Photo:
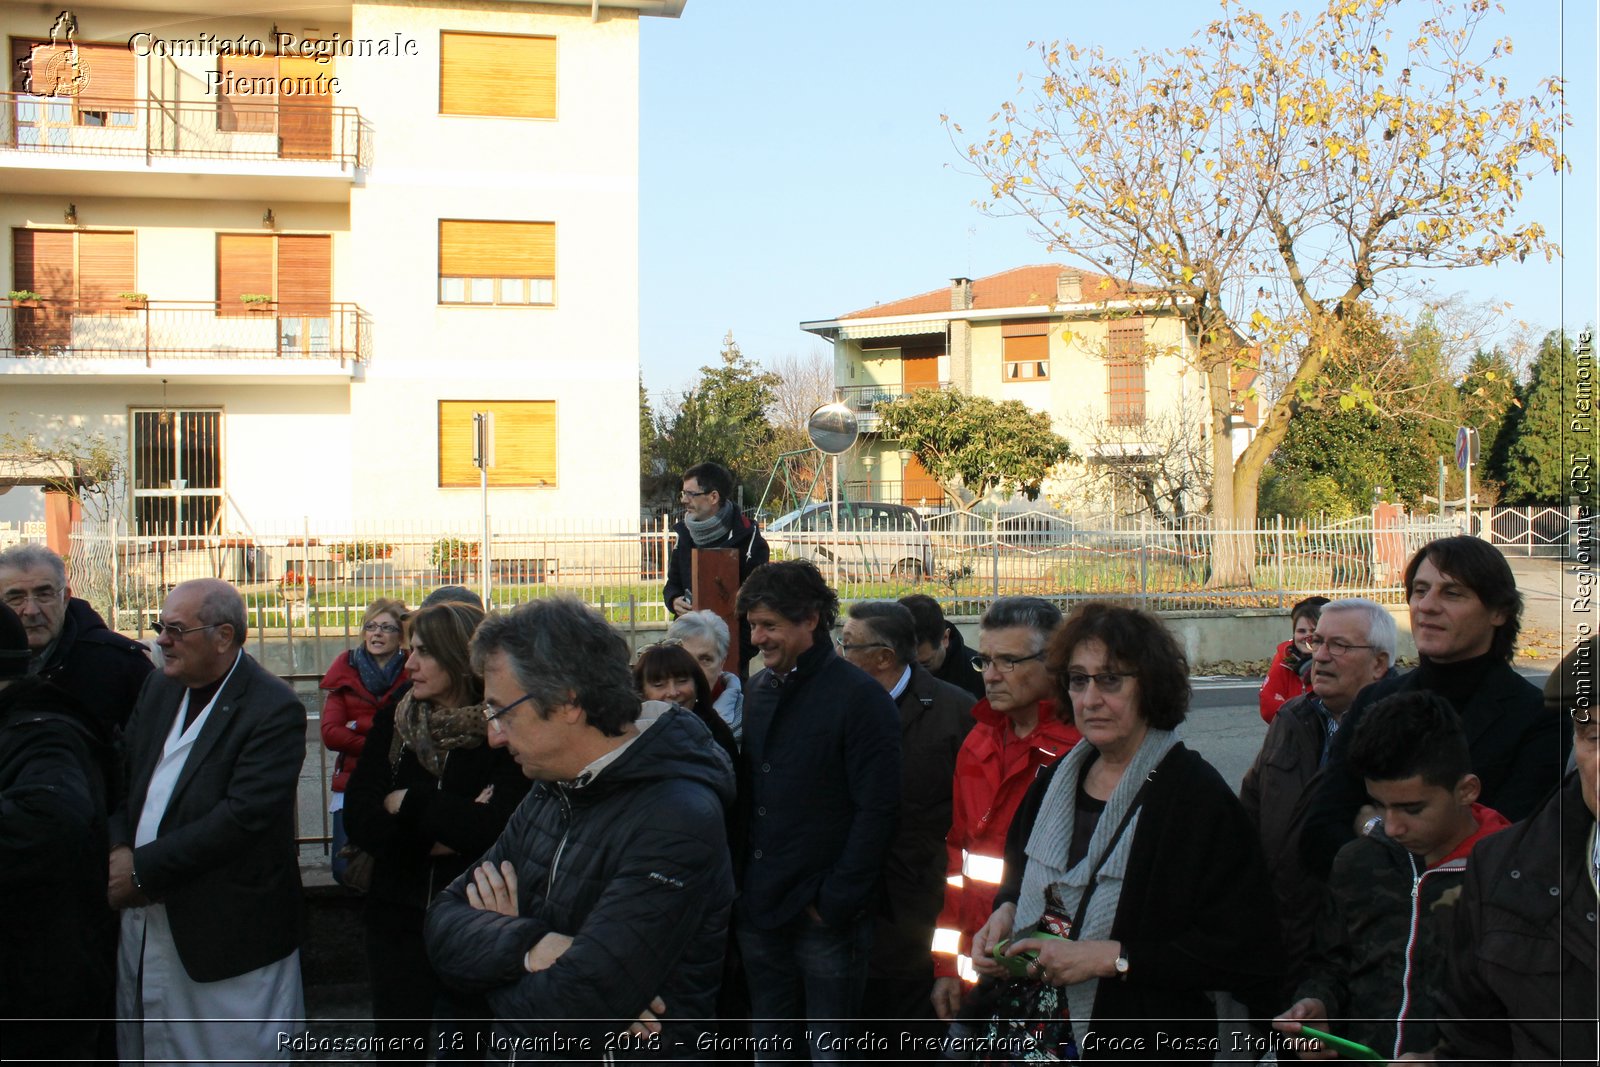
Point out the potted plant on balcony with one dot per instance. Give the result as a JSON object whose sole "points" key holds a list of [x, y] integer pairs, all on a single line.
{"points": [[134, 301], [24, 298], [256, 301]]}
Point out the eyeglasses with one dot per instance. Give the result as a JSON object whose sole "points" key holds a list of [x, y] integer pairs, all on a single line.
{"points": [[1003, 664], [41, 595], [690, 494], [1105, 681], [1335, 646], [380, 628], [842, 647], [176, 632], [492, 714]]}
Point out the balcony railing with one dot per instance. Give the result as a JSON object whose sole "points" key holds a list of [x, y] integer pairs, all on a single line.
{"points": [[177, 329], [209, 129], [864, 398]]}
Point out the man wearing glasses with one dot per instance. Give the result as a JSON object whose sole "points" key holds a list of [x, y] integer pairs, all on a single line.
{"points": [[712, 519], [1017, 733], [69, 641], [1352, 647], [203, 859]]}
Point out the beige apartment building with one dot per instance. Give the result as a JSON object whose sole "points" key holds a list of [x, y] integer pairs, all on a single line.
{"points": [[282, 253], [1112, 364]]}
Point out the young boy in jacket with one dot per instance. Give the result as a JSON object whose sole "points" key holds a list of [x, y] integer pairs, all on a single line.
{"points": [[1381, 945]]}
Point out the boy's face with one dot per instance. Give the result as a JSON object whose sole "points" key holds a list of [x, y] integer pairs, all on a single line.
{"points": [[1426, 819]]}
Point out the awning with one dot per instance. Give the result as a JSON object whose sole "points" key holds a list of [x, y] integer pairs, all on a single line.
{"points": [[867, 328]]}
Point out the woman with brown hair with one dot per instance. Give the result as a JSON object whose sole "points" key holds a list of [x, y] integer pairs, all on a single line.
{"points": [[427, 799], [666, 671]]}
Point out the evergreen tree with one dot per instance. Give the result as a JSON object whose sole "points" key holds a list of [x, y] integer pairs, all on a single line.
{"points": [[1540, 460]]}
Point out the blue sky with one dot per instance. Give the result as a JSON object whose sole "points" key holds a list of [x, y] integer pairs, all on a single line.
{"points": [[793, 166]]}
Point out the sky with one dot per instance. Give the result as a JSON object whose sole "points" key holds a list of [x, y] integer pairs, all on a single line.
{"points": [[793, 166]]}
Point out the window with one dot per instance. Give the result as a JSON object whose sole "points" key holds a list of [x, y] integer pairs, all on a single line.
{"points": [[1125, 358], [497, 75], [524, 443], [177, 472], [1026, 358], [75, 272], [94, 84], [504, 263]]}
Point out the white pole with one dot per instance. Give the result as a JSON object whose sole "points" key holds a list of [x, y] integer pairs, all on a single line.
{"points": [[483, 550], [1468, 470], [835, 580]]}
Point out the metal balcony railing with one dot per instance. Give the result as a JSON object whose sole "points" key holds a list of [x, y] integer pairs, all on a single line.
{"points": [[211, 129], [863, 398], [178, 329]]}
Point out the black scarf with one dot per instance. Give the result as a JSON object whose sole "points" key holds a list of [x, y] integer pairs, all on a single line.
{"points": [[377, 678]]}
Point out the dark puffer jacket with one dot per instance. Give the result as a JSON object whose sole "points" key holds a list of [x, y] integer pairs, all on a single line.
{"points": [[633, 866], [744, 537], [97, 666]]}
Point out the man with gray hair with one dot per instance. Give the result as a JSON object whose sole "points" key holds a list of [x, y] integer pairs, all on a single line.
{"points": [[605, 901], [880, 637], [1352, 647], [70, 643], [1017, 733], [203, 858]]}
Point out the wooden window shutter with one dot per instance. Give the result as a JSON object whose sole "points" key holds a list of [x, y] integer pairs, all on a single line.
{"points": [[246, 113], [305, 284], [244, 265], [524, 442], [1126, 340], [110, 85], [43, 261], [476, 249], [41, 69], [1025, 328], [105, 267], [497, 74]]}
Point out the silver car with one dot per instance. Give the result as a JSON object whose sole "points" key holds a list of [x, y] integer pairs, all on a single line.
{"points": [[874, 540]]}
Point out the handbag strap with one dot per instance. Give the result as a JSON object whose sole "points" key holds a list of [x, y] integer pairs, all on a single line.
{"points": [[1111, 846]]}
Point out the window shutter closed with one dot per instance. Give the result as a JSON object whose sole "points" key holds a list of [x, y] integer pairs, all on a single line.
{"points": [[476, 249], [43, 262], [105, 267], [244, 265], [497, 74], [305, 285], [239, 112], [110, 81], [524, 442]]}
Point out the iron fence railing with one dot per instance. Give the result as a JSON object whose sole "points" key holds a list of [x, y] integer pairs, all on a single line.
{"points": [[863, 398], [146, 330], [291, 131]]}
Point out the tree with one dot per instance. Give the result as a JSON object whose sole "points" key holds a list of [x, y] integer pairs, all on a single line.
{"points": [[1267, 179], [805, 382], [1487, 401], [973, 445], [722, 419], [1550, 460], [1164, 463]]}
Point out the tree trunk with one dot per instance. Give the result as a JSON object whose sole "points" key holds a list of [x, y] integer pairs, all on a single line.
{"points": [[1232, 547]]}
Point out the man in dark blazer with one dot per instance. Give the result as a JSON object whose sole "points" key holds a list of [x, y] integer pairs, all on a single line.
{"points": [[203, 857]]}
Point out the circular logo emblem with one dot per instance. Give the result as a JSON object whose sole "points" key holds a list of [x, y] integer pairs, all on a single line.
{"points": [[65, 74]]}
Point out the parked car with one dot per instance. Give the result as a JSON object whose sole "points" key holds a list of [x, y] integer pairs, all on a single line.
{"points": [[874, 540]]}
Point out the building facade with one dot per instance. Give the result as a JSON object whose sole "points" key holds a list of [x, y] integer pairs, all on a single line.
{"points": [[1112, 364], [282, 259]]}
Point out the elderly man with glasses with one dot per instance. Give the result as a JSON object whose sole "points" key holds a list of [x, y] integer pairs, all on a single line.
{"points": [[204, 864], [605, 901], [70, 643], [1352, 646], [1017, 733]]}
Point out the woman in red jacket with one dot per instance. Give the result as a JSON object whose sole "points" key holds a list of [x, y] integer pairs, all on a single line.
{"points": [[368, 678], [1284, 681]]}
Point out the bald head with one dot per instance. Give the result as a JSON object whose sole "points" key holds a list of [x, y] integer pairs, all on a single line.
{"points": [[210, 614]]}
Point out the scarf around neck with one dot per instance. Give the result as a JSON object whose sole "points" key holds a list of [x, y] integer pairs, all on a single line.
{"points": [[377, 678], [712, 531], [432, 731], [1050, 839]]}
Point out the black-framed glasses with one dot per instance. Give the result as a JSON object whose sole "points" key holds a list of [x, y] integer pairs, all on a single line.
{"points": [[1003, 664], [380, 628], [690, 494], [1336, 646], [176, 632], [42, 594], [492, 715], [838, 642], [1105, 681]]}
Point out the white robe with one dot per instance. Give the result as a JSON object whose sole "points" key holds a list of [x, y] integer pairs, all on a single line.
{"points": [[163, 1014]]}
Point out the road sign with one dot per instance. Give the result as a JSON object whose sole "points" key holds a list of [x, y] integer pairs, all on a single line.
{"points": [[1466, 446]]}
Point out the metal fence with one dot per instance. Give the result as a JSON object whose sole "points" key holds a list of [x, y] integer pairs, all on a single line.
{"points": [[309, 579]]}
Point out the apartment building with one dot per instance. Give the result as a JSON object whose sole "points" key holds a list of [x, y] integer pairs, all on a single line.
{"points": [[1113, 365], [283, 253]]}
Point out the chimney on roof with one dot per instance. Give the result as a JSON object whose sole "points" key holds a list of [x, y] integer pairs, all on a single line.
{"points": [[1069, 287], [960, 294]]}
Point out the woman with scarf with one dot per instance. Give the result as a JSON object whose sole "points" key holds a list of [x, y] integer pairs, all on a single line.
{"points": [[427, 799], [1134, 884], [363, 682]]}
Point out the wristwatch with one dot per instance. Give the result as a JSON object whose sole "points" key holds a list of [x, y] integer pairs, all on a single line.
{"points": [[1372, 826], [1121, 965]]}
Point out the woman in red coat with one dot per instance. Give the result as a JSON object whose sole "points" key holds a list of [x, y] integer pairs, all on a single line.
{"points": [[368, 678], [1284, 680]]}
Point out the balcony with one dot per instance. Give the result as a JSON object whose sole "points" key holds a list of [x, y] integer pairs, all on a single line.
{"points": [[863, 399], [60, 341], [153, 147]]}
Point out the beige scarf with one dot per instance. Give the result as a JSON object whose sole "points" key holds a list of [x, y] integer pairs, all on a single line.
{"points": [[432, 731]]}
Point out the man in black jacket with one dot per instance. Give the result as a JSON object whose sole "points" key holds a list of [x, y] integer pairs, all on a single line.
{"points": [[606, 898], [880, 638], [70, 643], [57, 936], [940, 648], [822, 744], [1465, 614], [712, 519]]}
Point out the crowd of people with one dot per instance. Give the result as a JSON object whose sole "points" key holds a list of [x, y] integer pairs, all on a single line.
{"points": [[876, 845]]}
